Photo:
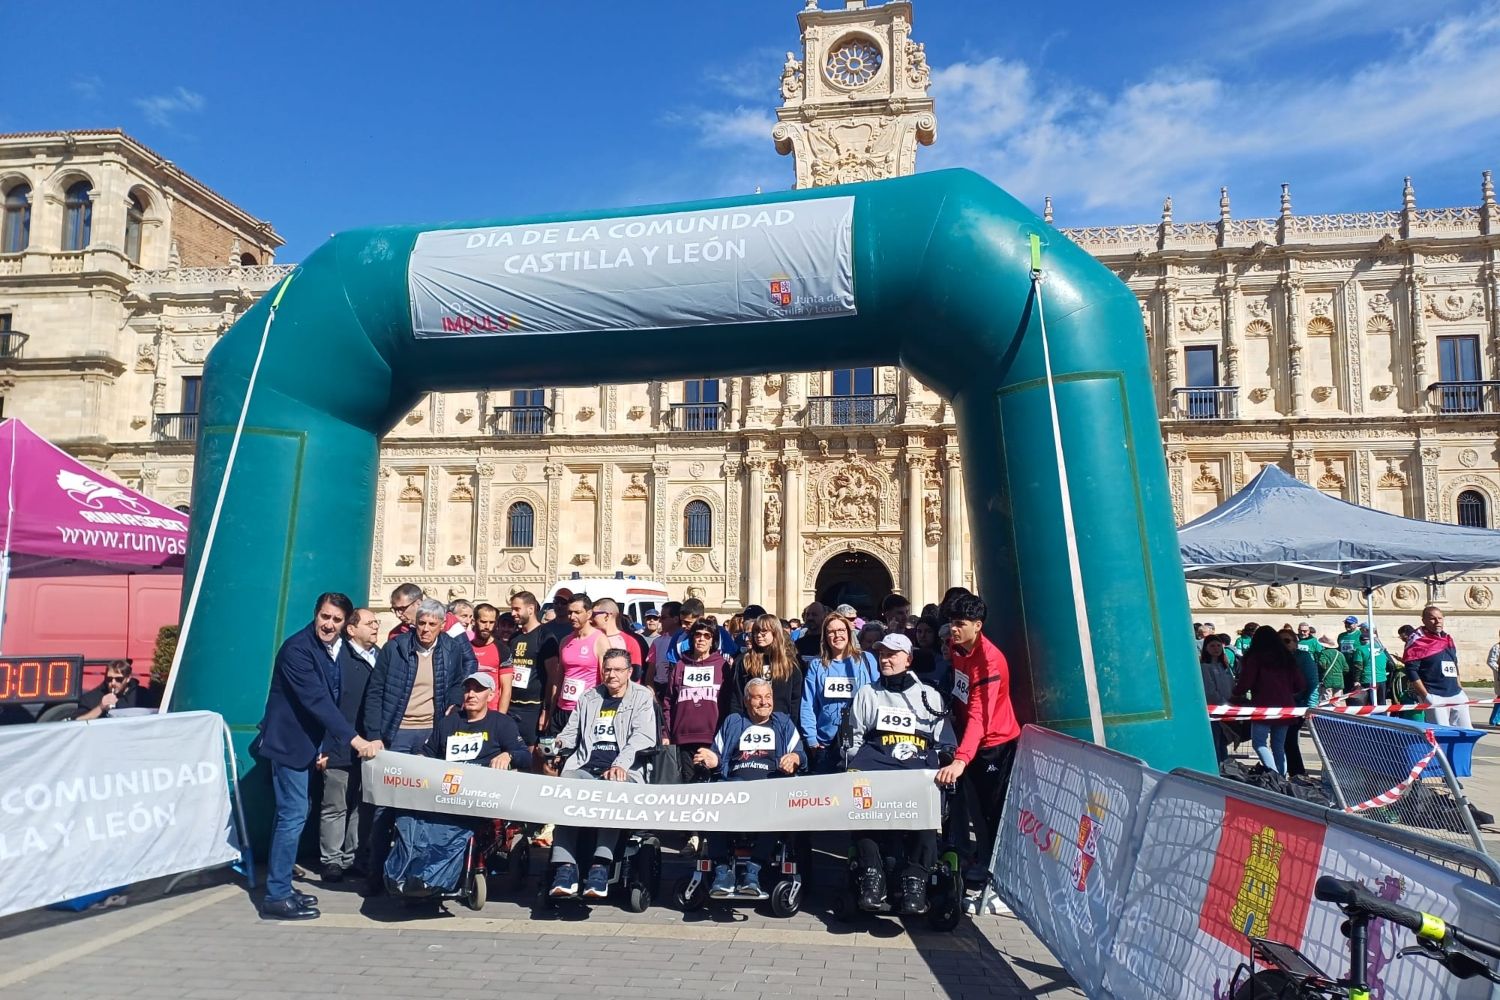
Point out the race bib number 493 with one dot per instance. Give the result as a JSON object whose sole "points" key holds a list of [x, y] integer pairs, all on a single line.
{"points": [[895, 720]]}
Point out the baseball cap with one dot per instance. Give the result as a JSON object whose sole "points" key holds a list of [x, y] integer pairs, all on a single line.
{"points": [[753, 612], [895, 642], [481, 678], [651, 614], [1351, 620]]}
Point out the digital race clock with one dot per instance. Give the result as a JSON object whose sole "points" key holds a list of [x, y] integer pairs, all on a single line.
{"points": [[40, 678]]}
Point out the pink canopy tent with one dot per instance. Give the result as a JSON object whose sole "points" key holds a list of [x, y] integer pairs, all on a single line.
{"points": [[58, 509]]}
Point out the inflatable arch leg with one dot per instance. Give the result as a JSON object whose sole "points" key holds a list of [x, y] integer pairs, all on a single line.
{"points": [[940, 285]]}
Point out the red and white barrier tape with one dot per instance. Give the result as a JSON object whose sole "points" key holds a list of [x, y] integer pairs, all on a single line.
{"points": [[1251, 712], [1391, 797]]}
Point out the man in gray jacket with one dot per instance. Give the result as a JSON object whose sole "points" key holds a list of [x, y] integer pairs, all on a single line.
{"points": [[612, 724]]}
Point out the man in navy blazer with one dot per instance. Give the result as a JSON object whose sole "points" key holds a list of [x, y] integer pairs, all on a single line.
{"points": [[302, 709], [418, 678]]}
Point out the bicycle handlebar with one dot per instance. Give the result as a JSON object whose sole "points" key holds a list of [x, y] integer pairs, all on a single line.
{"points": [[1428, 928]]}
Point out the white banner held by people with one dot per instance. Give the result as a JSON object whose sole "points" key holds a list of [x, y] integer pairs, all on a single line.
{"points": [[783, 260], [88, 806], [862, 800]]}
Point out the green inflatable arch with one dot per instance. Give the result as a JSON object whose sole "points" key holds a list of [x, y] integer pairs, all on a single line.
{"points": [[941, 285]]}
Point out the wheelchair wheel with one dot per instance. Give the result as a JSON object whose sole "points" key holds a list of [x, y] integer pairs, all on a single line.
{"points": [[845, 909], [697, 899], [786, 898], [946, 908], [478, 889], [639, 900], [518, 864]]}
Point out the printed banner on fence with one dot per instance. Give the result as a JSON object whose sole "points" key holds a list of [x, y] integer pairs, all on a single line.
{"points": [[878, 800], [1064, 853], [88, 806], [745, 264]]}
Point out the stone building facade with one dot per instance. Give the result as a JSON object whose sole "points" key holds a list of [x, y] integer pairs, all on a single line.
{"points": [[1357, 351]]}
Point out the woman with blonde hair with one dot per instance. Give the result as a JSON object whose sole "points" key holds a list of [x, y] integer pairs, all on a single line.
{"points": [[831, 681], [768, 654]]}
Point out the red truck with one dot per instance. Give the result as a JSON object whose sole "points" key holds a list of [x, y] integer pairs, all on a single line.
{"points": [[62, 628]]}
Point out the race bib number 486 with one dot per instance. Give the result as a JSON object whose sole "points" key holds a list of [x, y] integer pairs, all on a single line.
{"points": [[698, 677]]}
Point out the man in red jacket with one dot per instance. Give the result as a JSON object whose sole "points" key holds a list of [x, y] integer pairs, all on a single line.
{"points": [[981, 706]]}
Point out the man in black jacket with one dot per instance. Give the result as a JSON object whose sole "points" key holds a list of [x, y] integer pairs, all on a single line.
{"points": [[343, 817], [418, 678]]}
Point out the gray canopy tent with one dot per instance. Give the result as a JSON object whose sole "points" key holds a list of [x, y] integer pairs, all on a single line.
{"points": [[1279, 530]]}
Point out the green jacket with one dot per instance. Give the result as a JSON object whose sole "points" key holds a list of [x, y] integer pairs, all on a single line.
{"points": [[1379, 659], [1311, 645], [1356, 656], [1331, 667]]}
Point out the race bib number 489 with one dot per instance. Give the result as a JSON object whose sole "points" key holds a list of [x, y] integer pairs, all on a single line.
{"points": [[838, 688]]}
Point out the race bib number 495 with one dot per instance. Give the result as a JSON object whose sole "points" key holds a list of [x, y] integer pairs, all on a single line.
{"points": [[757, 738]]}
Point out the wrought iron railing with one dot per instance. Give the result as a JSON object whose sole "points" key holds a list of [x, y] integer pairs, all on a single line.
{"points": [[698, 417], [851, 411], [11, 343], [521, 420], [175, 427], [1220, 402], [1464, 397]]}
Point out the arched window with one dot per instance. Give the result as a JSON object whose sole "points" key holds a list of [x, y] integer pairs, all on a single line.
{"points": [[697, 525], [248, 260], [15, 228], [1472, 512], [135, 217], [520, 526], [78, 216]]}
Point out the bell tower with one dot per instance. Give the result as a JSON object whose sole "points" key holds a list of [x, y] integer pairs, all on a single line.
{"points": [[855, 105]]}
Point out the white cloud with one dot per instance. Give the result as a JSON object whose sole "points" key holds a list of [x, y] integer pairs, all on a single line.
{"points": [[162, 108], [86, 87], [1420, 100], [737, 128]]}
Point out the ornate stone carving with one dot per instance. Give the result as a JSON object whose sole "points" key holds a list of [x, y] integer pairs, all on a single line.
{"points": [[635, 412], [1259, 309], [696, 470], [411, 491], [1278, 597], [1199, 316], [1393, 478], [1453, 305], [851, 494], [1406, 595], [1243, 597], [696, 562], [585, 489], [1206, 482], [1320, 306], [1478, 596], [1380, 304], [1210, 597], [462, 492], [518, 473], [932, 515], [637, 488], [773, 519], [1338, 597], [1468, 458]]}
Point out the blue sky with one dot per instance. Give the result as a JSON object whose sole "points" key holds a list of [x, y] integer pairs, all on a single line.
{"points": [[322, 116]]}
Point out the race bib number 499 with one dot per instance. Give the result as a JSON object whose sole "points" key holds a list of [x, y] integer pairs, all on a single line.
{"points": [[464, 747]]}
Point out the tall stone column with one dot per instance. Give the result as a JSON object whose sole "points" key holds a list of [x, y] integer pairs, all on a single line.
{"points": [[953, 518], [1169, 291], [1417, 283], [791, 537], [754, 516], [1230, 310], [1292, 288], [913, 547]]}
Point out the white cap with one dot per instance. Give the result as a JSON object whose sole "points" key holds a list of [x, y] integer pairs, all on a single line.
{"points": [[481, 678]]}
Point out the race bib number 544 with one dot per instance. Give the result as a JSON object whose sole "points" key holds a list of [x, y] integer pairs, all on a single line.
{"points": [[464, 746]]}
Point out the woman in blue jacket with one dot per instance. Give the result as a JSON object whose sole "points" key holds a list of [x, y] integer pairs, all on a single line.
{"points": [[828, 689]]}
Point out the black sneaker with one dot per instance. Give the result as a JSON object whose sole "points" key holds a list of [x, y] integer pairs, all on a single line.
{"points": [[564, 881], [332, 874], [914, 894], [871, 889]]}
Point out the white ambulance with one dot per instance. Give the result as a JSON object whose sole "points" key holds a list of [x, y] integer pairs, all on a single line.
{"points": [[635, 596]]}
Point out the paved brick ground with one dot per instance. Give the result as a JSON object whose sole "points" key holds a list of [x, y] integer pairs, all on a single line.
{"points": [[206, 943]]}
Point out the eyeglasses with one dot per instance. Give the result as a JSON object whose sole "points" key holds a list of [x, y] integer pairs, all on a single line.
{"points": [[114, 678], [615, 670], [600, 614], [401, 609]]}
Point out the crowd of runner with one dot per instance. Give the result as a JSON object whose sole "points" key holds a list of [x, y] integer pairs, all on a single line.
{"points": [[576, 689], [1296, 667]]}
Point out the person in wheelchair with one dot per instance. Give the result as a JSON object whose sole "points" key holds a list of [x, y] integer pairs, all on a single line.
{"points": [[751, 745], [476, 735], [604, 735], [897, 723]]}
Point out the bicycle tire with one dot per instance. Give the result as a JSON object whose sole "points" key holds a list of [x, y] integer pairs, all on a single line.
{"points": [[1269, 984]]}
